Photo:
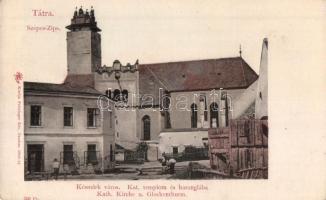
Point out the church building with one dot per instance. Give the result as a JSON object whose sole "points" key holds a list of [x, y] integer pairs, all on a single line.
{"points": [[168, 106]]}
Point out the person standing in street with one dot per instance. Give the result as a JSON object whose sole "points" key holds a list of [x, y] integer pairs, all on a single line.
{"points": [[55, 166], [171, 164]]}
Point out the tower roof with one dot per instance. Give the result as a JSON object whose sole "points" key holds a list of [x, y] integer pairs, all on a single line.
{"points": [[83, 20]]}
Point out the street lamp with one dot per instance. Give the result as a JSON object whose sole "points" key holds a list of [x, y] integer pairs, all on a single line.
{"points": [[117, 75]]}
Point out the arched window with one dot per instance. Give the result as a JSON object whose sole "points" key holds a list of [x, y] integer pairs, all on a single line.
{"points": [[203, 101], [116, 95], [125, 96], [167, 119], [108, 93], [214, 115], [193, 115], [146, 128]]}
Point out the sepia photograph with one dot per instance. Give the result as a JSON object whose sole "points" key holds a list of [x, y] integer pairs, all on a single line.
{"points": [[182, 99], [191, 119]]}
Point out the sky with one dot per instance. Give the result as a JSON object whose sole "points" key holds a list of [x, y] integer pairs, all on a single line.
{"points": [[158, 31], [151, 31]]}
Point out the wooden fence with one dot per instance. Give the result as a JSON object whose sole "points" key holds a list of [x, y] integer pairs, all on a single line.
{"points": [[242, 145]]}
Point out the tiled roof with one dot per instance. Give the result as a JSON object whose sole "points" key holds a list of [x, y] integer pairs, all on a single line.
{"points": [[84, 80], [64, 88], [227, 73], [195, 75]]}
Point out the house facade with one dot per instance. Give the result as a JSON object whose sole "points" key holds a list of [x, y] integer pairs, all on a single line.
{"points": [[64, 123]]}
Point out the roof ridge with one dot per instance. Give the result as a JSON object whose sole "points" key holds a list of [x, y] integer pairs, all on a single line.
{"points": [[243, 72], [183, 61], [43, 83]]}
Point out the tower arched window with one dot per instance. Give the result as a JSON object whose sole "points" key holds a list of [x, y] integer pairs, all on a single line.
{"points": [[193, 115], [125, 96], [146, 127], [116, 95], [108, 93], [214, 115]]}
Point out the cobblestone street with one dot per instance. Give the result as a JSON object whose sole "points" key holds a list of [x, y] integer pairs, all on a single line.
{"points": [[150, 170]]}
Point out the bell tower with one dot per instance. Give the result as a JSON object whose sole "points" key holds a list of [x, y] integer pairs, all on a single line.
{"points": [[83, 43]]}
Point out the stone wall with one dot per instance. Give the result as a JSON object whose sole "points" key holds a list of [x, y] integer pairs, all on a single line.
{"points": [[83, 51]]}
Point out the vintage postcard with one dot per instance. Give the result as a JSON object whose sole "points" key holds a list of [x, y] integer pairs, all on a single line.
{"points": [[156, 99]]}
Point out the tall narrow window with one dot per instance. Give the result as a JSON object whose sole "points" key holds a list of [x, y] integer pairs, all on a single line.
{"points": [[193, 115], [92, 154], [125, 96], [110, 94], [92, 117], [110, 120], [175, 150], [146, 127], [67, 116], [167, 119], [111, 153], [36, 115], [214, 115], [204, 107], [226, 100]]}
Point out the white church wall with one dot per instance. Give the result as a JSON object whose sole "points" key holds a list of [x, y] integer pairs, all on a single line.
{"points": [[181, 139], [261, 106], [155, 127], [182, 118], [125, 123], [244, 100]]}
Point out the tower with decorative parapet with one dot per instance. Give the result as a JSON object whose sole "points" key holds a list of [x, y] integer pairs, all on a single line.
{"points": [[83, 43]]}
